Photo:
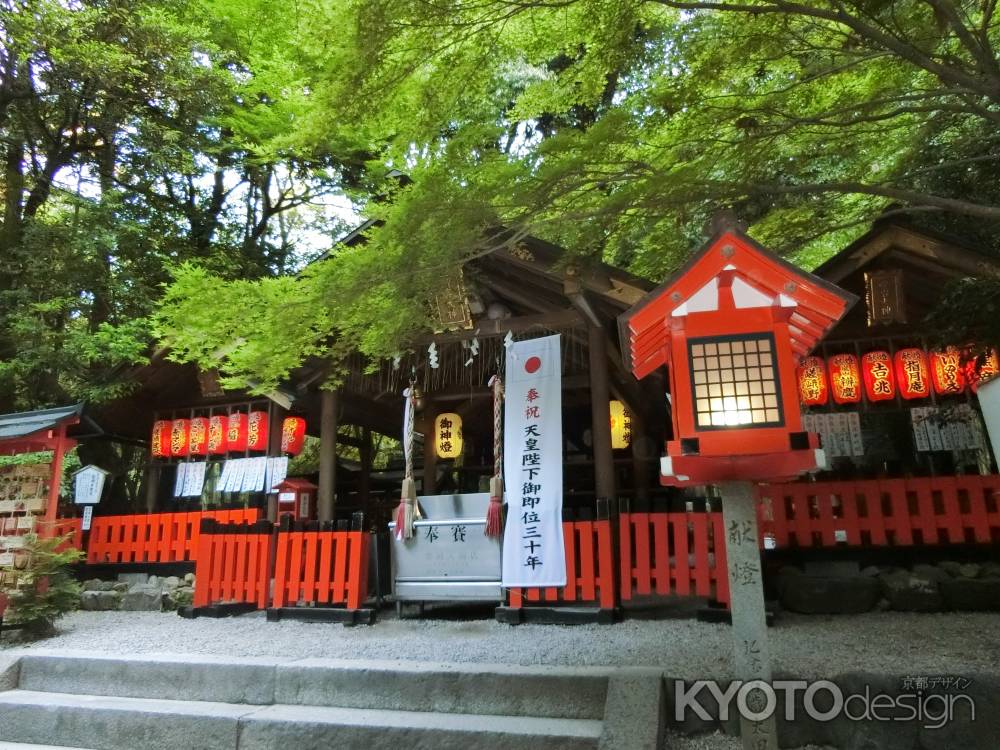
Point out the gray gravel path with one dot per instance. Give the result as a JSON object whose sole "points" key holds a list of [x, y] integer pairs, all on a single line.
{"points": [[822, 647]]}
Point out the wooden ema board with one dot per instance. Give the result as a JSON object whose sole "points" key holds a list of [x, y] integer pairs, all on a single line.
{"points": [[24, 490], [590, 574], [155, 537]]}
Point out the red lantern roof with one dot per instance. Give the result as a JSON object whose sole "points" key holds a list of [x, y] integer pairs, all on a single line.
{"points": [[731, 271]]}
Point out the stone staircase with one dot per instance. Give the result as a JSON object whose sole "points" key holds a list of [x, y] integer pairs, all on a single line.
{"points": [[149, 702]]}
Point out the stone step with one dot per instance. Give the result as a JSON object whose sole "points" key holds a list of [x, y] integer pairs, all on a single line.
{"points": [[123, 723], [28, 746], [548, 692]]}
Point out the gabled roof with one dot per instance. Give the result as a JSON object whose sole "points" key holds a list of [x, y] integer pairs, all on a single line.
{"points": [[947, 255], [28, 430], [730, 264]]}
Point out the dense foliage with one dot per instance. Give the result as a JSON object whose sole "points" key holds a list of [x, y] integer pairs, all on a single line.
{"points": [[615, 128], [46, 588]]}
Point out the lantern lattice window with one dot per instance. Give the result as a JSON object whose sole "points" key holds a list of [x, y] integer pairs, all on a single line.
{"points": [[735, 381]]}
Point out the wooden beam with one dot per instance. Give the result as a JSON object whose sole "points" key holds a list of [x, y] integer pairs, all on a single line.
{"points": [[327, 455], [499, 328]]}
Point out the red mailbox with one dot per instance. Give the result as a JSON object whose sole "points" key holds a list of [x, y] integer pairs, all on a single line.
{"points": [[731, 328], [296, 498]]}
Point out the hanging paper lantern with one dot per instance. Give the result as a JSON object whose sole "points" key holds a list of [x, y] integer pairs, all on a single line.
{"points": [[979, 370], [448, 435], [621, 425], [946, 371], [293, 435], [257, 431], [218, 426], [179, 437], [159, 443], [236, 433], [912, 373], [876, 372], [845, 379], [198, 437], [813, 390]]}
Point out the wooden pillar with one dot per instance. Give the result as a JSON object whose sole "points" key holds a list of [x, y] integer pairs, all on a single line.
{"points": [[152, 487], [55, 481], [278, 414], [640, 457], [364, 481], [604, 467], [327, 455], [430, 453]]}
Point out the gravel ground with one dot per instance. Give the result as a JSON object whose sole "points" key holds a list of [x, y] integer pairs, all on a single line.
{"points": [[717, 741], [818, 647]]}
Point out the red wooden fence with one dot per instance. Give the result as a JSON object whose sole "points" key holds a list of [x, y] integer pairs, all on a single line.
{"points": [[322, 567], [234, 563], [590, 568], [886, 512], [155, 537], [673, 553]]}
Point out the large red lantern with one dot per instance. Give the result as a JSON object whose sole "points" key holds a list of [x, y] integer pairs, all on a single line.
{"points": [[876, 372], [236, 432], [845, 379], [912, 373], [198, 437], [946, 371], [980, 369], [257, 431], [159, 443], [293, 435], [813, 390], [217, 428], [179, 437]]}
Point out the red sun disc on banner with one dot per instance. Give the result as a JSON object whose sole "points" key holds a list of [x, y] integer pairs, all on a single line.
{"points": [[532, 364]]}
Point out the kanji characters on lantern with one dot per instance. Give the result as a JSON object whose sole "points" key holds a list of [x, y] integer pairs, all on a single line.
{"points": [[159, 443], [982, 368], [876, 373], [218, 426], [621, 425], [912, 373], [448, 435], [845, 379], [236, 432], [813, 390], [179, 437], [946, 371], [198, 437], [257, 431], [293, 435]]}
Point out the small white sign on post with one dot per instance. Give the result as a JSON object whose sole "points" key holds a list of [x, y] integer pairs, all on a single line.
{"points": [[88, 516], [88, 485]]}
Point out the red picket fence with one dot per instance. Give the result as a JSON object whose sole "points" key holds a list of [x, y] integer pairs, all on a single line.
{"points": [[590, 569], [234, 563], [156, 537], [71, 527], [322, 567], [673, 553], [885, 512]]}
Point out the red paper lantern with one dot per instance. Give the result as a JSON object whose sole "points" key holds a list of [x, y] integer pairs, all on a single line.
{"points": [[913, 373], [813, 390], [198, 437], [876, 371], [257, 431], [179, 435], [159, 443], [236, 433], [293, 435], [980, 369], [845, 379], [946, 371], [217, 428]]}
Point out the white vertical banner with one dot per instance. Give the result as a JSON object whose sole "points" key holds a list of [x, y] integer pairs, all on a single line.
{"points": [[533, 546]]}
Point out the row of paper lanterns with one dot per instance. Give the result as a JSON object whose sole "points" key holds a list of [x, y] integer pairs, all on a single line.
{"points": [[879, 376], [222, 434]]}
